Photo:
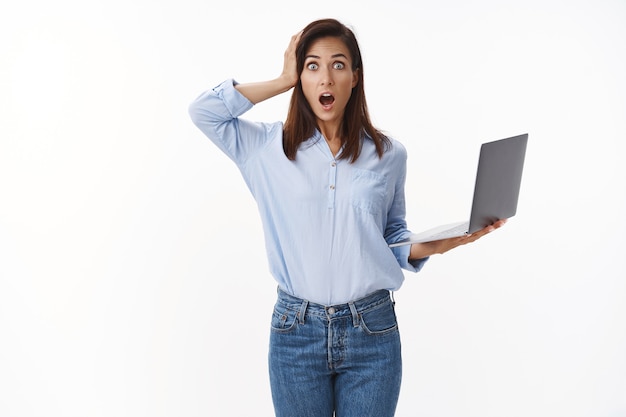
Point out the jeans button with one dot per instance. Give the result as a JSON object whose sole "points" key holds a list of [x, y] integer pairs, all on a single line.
{"points": [[331, 310]]}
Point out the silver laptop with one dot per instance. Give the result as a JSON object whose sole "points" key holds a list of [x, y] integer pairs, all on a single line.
{"points": [[496, 191]]}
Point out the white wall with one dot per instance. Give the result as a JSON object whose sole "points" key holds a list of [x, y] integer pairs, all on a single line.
{"points": [[133, 280]]}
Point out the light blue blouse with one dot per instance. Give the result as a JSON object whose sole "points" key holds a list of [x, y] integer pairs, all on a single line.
{"points": [[327, 222]]}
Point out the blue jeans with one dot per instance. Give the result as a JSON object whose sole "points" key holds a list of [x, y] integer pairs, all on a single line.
{"points": [[343, 359]]}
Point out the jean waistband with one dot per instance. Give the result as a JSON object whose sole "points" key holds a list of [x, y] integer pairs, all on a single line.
{"points": [[353, 308]]}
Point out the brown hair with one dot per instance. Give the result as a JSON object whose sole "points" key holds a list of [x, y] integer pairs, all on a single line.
{"points": [[301, 122]]}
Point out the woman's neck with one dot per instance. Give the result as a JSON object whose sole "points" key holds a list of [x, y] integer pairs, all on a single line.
{"points": [[332, 135]]}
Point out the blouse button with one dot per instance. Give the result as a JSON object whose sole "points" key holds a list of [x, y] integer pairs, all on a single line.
{"points": [[332, 187]]}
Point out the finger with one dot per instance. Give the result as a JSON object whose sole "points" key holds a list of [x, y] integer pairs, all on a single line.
{"points": [[296, 38], [477, 235], [499, 223]]}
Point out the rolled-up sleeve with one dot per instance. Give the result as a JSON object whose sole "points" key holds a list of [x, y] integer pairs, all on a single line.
{"points": [[216, 113], [402, 255], [396, 229]]}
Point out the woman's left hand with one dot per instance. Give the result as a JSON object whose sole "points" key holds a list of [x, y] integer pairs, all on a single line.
{"points": [[422, 250]]}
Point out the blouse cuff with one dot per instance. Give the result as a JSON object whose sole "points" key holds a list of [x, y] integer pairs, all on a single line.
{"points": [[235, 102], [402, 255]]}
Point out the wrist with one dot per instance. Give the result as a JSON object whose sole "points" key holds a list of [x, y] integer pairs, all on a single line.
{"points": [[287, 81], [422, 250]]}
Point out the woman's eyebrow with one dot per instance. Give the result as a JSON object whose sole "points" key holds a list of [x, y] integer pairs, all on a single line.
{"points": [[333, 56]]}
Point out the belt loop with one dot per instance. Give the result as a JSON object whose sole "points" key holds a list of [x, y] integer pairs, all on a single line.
{"points": [[302, 311], [355, 314]]}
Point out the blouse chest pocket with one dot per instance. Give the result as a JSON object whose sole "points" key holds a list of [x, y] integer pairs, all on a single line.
{"points": [[369, 191]]}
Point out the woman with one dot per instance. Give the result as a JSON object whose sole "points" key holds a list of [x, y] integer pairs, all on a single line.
{"points": [[330, 190]]}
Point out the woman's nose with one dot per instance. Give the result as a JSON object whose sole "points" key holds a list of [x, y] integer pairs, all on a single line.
{"points": [[326, 78]]}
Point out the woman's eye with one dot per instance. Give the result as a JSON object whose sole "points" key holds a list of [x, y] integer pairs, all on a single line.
{"points": [[338, 65], [312, 66]]}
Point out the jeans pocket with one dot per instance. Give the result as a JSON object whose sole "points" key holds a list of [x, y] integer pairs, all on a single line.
{"points": [[283, 320], [380, 320]]}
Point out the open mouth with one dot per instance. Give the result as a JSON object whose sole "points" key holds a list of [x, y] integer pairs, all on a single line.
{"points": [[327, 99]]}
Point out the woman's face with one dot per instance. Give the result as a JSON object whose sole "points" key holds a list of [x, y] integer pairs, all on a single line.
{"points": [[327, 79]]}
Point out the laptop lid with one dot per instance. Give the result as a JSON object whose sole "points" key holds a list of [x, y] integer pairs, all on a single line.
{"points": [[498, 181]]}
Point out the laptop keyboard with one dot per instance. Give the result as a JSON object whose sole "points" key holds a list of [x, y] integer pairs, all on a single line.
{"points": [[454, 231]]}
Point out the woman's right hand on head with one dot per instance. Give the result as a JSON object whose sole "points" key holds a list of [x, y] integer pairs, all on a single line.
{"points": [[290, 69], [259, 91]]}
